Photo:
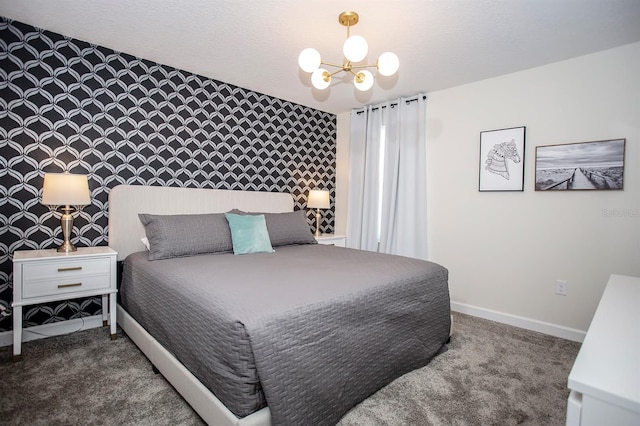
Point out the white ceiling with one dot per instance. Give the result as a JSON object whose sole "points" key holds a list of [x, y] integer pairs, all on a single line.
{"points": [[255, 44]]}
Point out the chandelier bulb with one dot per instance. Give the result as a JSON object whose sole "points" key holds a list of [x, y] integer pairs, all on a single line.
{"points": [[321, 79], [309, 60], [388, 64], [355, 49], [363, 80]]}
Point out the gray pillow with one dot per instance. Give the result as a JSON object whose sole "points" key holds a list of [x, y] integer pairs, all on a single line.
{"points": [[286, 228], [186, 234]]}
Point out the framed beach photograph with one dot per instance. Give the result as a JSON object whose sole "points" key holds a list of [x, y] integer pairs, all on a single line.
{"points": [[597, 165], [502, 159]]}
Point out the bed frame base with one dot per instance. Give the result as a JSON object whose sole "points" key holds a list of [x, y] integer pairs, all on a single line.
{"points": [[205, 403]]}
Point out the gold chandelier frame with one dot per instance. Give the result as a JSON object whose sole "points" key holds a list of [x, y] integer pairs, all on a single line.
{"points": [[310, 60]]}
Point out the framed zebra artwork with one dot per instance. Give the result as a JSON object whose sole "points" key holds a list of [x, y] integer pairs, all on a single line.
{"points": [[502, 159], [595, 165]]}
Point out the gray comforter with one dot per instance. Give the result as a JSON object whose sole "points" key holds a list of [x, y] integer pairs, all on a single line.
{"points": [[311, 330]]}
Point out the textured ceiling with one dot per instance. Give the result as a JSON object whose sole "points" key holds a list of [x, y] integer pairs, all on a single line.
{"points": [[255, 44]]}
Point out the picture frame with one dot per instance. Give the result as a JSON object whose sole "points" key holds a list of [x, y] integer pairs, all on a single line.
{"points": [[581, 166], [502, 159]]}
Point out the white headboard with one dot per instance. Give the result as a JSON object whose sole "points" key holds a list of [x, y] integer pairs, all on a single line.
{"points": [[126, 201]]}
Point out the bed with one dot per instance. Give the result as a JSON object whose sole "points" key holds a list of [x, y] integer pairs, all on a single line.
{"points": [[297, 335]]}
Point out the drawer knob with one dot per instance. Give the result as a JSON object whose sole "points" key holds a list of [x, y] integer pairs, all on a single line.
{"points": [[69, 285], [75, 268]]}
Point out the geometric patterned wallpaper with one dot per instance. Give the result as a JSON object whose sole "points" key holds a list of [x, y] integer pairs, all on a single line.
{"points": [[69, 105]]}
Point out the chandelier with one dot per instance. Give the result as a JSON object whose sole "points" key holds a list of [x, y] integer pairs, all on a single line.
{"points": [[355, 50]]}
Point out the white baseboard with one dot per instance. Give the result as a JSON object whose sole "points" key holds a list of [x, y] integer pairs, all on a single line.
{"points": [[521, 322], [53, 329]]}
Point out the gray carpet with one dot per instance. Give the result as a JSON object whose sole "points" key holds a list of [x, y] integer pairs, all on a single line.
{"points": [[492, 374]]}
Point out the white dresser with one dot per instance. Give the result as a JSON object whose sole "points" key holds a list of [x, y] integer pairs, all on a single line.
{"points": [[605, 378]]}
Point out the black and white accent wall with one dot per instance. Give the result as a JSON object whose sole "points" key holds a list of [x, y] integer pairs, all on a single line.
{"points": [[69, 105]]}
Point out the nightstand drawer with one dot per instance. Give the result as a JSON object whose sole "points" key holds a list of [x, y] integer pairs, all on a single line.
{"points": [[63, 285], [66, 270]]}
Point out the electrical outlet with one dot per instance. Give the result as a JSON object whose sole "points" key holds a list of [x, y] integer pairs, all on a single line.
{"points": [[561, 287]]}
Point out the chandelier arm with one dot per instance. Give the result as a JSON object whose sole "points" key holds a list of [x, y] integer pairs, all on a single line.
{"points": [[364, 66], [336, 72], [331, 65]]}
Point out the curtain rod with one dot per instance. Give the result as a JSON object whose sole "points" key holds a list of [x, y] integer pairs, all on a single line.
{"points": [[408, 101]]}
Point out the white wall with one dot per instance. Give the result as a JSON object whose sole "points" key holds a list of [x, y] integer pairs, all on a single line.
{"points": [[342, 172], [505, 251]]}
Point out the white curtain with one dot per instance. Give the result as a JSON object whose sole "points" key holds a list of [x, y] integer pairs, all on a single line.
{"points": [[389, 215], [364, 197]]}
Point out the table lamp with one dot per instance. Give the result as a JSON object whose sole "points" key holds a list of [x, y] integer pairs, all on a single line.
{"points": [[69, 192], [318, 199]]}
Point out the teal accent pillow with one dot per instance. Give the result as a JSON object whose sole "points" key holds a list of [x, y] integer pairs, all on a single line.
{"points": [[249, 234]]}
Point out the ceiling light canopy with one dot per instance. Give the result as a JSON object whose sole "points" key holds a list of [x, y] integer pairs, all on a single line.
{"points": [[355, 50]]}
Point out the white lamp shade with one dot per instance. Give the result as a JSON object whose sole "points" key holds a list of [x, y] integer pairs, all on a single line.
{"points": [[318, 79], [366, 80], [309, 60], [355, 48], [388, 64], [318, 199], [65, 189]]}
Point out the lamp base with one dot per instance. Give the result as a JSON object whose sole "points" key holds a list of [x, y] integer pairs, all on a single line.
{"points": [[67, 247], [318, 233], [66, 222]]}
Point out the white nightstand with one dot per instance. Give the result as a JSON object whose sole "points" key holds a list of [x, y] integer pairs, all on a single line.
{"points": [[43, 276], [332, 240]]}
